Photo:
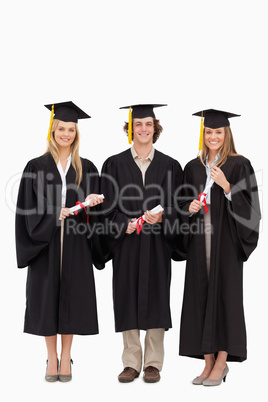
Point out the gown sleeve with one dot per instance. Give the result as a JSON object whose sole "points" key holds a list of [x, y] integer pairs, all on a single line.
{"points": [[171, 216], [114, 220], [186, 195], [96, 241], [244, 209], [36, 219]]}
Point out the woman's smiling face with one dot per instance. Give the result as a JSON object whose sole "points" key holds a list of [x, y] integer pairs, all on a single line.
{"points": [[214, 138], [65, 134]]}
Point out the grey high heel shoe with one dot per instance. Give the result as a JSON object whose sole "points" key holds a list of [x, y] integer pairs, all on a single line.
{"points": [[210, 383], [66, 377], [199, 380], [54, 377]]}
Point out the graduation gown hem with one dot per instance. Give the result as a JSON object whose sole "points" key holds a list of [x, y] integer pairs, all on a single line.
{"points": [[232, 356], [86, 333], [142, 328]]}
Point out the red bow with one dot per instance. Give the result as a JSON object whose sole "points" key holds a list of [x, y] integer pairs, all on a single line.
{"points": [[82, 206], [139, 224], [204, 201]]}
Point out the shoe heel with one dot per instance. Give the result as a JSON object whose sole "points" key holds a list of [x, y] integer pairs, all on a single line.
{"points": [[224, 378]]}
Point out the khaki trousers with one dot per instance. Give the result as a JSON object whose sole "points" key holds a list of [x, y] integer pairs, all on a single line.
{"points": [[153, 349]]}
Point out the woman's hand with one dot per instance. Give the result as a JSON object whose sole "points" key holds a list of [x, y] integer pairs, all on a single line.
{"points": [[95, 200], [64, 213], [219, 177], [195, 206], [153, 218], [131, 226]]}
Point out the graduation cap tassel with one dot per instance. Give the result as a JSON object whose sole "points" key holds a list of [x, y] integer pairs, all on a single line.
{"points": [[201, 134], [130, 126], [50, 123]]}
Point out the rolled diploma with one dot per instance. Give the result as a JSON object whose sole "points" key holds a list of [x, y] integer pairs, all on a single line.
{"points": [[86, 204], [155, 210], [206, 189]]}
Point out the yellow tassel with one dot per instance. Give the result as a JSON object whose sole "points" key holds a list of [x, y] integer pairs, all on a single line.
{"points": [[50, 123], [201, 134], [130, 126]]}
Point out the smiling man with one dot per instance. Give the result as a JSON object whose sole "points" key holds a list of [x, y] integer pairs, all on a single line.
{"points": [[134, 182]]}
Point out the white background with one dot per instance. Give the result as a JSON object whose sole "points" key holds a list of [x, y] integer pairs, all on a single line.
{"points": [[191, 55]]}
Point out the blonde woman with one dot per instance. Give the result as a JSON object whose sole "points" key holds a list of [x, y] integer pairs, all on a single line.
{"points": [[58, 246], [221, 206]]}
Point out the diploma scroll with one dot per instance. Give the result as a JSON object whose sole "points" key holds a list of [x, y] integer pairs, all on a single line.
{"points": [[141, 219], [83, 204], [202, 196], [204, 193]]}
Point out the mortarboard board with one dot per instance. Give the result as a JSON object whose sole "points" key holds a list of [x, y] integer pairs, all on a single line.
{"points": [[65, 111], [213, 119], [139, 112]]}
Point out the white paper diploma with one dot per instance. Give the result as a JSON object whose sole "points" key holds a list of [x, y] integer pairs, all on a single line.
{"points": [[86, 204], [155, 210], [207, 189]]}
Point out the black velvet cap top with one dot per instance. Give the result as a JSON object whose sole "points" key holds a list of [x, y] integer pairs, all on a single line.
{"points": [[68, 112], [143, 110], [216, 118]]}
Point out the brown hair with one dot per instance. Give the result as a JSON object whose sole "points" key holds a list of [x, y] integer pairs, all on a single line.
{"points": [[228, 148], [157, 130], [54, 150]]}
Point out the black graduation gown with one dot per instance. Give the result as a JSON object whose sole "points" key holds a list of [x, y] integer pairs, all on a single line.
{"points": [[212, 316], [141, 263], [54, 304]]}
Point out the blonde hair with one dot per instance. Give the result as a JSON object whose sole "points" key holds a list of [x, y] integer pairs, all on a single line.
{"points": [[54, 150], [228, 148]]}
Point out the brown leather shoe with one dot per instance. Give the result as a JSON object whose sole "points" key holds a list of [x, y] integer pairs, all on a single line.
{"points": [[151, 374], [128, 375]]}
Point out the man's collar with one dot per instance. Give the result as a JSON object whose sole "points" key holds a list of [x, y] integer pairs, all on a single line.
{"points": [[135, 155]]}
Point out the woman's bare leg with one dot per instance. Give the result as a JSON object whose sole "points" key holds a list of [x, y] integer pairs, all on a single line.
{"points": [[209, 363], [219, 366], [52, 366], [66, 344]]}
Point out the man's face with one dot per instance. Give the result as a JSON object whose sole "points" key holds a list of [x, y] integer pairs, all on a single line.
{"points": [[143, 130]]}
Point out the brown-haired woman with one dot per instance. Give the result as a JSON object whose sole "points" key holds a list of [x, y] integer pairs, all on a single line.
{"points": [[59, 252], [221, 237]]}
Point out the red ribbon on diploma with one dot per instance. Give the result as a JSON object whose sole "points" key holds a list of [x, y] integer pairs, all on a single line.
{"points": [[82, 206], [204, 201], [139, 224]]}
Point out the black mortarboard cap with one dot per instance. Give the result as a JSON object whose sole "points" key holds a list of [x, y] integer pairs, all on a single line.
{"points": [[215, 118], [141, 111], [68, 112]]}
